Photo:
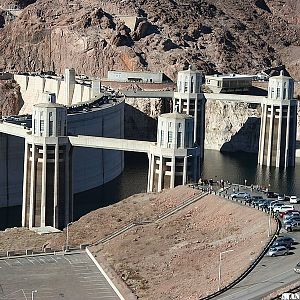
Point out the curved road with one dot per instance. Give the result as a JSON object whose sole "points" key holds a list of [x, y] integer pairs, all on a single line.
{"points": [[270, 274]]}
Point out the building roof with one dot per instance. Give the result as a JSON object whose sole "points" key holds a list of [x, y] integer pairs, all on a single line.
{"points": [[176, 116], [229, 76], [281, 77], [190, 71], [48, 105]]}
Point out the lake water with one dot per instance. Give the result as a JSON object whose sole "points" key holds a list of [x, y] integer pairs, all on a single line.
{"points": [[235, 167]]}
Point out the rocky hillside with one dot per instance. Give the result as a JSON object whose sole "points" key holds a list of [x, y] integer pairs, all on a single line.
{"points": [[10, 98], [215, 35]]}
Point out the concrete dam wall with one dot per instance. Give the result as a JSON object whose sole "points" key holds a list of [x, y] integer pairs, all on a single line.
{"points": [[91, 167]]}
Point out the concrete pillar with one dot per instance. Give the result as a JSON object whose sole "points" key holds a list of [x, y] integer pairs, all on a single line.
{"points": [[196, 119], [44, 185], [262, 134], [279, 137], [56, 181], [173, 169], [25, 174], [269, 159], [160, 174], [287, 136], [32, 186], [184, 170]]}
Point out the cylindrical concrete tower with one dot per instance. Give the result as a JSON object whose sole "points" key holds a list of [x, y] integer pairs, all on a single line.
{"points": [[277, 144], [47, 190], [190, 100], [175, 159]]}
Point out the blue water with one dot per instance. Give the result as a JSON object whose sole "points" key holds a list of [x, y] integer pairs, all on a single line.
{"points": [[235, 167]]}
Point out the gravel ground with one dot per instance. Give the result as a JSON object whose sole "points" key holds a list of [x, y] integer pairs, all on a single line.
{"points": [[178, 257]]}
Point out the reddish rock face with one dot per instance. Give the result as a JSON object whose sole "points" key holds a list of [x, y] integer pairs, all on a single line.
{"points": [[228, 36], [10, 98]]}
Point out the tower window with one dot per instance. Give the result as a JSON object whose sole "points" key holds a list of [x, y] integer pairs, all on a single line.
{"points": [[42, 126], [161, 137], [170, 136], [179, 138], [278, 93]]}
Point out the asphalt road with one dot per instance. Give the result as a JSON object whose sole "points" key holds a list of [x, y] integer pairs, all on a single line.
{"points": [[270, 274], [53, 277]]}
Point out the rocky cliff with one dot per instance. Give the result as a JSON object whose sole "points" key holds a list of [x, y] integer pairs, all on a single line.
{"points": [[214, 35], [232, 126], [10, 98]]}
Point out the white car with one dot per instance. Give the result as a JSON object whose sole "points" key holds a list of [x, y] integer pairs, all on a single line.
{"points": [[278, 250], [242, 195], [293, 199], [283, 208]]}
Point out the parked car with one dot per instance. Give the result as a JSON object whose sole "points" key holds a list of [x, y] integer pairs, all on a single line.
{"points": [[242, 195], [265, 204], [297, 268], [286, 238], [283, 213], [293, 199], [278, 250], [281, 197], [272, 195], [254, 199], [291, 218], [283, 208], [286, 244], [276, 206], [291, 214], [294, 226]]}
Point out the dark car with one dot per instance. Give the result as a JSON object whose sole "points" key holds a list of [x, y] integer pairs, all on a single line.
{"points": [[272, 195], [266, 204], [286, 239], [280, 242]]}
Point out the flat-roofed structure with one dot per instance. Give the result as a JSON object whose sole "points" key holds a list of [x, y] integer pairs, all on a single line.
{"points": [[129, 76], [228, 83]]}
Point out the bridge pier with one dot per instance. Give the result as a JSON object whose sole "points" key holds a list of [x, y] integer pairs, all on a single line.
{"points": [[277, 143]]}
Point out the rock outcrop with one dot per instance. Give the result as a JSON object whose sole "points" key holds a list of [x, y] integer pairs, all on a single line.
{"points": [[232, 126], [10, 98]]}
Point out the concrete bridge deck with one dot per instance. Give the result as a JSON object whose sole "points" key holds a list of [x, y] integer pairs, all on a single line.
{"points": [[110, 143], [209, 96], [13, 129]]}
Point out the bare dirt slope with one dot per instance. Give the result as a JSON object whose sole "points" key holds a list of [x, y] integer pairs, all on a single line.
{"points": [[99, 223], [178, 257]]}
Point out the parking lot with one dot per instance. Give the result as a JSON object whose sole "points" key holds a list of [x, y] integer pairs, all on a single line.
{"points": [[272, 272], [72, 276]]}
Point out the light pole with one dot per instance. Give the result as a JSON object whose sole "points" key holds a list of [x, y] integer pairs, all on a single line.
{"points": [[67, 239], [32, 294], [219, 281], [269, 226]]}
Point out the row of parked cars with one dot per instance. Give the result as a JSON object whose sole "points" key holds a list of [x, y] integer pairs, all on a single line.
{"points": [[281, 205]]}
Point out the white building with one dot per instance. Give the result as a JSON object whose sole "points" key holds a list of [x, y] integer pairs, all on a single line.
{"points": [[130, 76], [228, 83]]}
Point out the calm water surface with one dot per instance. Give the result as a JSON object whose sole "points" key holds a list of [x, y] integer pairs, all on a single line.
{"points": [[235, 167]]}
